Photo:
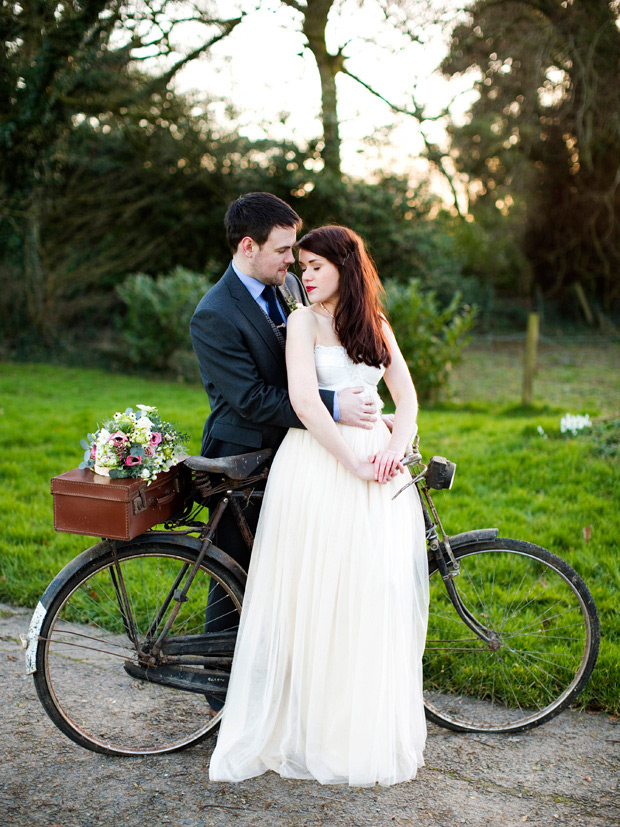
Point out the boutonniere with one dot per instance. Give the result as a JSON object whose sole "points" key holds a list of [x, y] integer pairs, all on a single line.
{"points": [[290, 300]]}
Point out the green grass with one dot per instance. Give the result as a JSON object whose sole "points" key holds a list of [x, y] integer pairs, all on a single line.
{"points": [[545, 491]]}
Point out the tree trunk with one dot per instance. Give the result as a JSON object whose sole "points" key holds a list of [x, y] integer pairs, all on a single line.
{"points": [[315, 22]]}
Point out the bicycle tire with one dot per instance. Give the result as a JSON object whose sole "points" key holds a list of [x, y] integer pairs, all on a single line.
{"points": [[546, 631], [84, 653]]}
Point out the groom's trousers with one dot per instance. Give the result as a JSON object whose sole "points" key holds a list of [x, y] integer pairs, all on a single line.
{"points": [[221, 613]]}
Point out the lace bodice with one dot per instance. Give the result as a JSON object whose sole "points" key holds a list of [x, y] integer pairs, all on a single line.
{"points": [[336, 371]]}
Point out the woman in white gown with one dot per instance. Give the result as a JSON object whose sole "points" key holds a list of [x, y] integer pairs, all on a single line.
{"points": [[326, 680]]}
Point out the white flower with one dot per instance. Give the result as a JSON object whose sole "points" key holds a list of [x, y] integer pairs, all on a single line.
{"points": [[105, 453], [541, 431], [118, 415], [573, 423], [147, 409]]}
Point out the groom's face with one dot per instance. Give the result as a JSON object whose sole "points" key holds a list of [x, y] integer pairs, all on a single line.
{"points": [[271, 260]]}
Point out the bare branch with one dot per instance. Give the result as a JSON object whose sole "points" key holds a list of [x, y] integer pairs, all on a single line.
{"points": [[433, 153], [227, 27]]}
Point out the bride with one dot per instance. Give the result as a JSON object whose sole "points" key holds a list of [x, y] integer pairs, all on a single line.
{"points": [[326, 681]]}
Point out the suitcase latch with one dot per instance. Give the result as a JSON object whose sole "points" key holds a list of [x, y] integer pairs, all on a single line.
{"points": [[139, 504]]}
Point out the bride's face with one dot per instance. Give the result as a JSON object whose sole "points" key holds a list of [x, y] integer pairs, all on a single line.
{"points": [[320, 277]]}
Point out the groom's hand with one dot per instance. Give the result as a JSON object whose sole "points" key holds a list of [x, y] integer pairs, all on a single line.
{"points": [[356, 409]]}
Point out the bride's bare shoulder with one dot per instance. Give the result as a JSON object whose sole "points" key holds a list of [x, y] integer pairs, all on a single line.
{"points": [[302, 319]]}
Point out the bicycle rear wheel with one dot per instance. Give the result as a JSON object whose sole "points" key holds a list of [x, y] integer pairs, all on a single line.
{"points": [[545, 639], [89, 677]]}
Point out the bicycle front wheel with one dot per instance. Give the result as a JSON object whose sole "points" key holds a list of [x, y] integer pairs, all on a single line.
{"points": [[90, 677], [543, 635]]}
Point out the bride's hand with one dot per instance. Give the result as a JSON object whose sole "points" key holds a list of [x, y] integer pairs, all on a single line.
{"points": [[365, 471], [386, 465]]}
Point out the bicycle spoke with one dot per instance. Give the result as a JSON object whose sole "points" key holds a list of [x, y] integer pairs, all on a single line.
{"points": [[90, 648], [547, 619], [69, 631]]}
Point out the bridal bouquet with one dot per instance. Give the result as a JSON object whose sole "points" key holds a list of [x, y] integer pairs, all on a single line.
{"points": [[132, 444]]}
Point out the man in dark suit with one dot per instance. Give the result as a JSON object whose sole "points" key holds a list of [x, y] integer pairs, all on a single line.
{"points": [[238, 334]]}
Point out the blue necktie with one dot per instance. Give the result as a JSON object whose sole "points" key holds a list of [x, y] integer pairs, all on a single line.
{"points": [[269, 294]]}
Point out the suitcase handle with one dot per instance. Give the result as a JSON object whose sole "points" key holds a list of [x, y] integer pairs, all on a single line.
{"points": [[140, 503], [163, 500]]}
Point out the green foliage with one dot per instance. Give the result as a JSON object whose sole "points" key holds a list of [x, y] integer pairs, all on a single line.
{"points": [[430, 337], [541, 143], [543, 491], [67, 70], [605, 436], [158, 310]]}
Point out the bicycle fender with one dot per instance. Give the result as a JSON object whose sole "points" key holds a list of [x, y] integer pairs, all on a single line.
{"points": [[477, 535], [174, 539], [31, 640]]}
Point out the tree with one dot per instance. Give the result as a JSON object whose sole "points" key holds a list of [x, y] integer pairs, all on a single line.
{"points": [[315, 13], [542, 144], [60, 64], [398, 16]]}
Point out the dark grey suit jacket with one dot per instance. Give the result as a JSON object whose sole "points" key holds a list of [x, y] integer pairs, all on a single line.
{"points": [[243, 369]]}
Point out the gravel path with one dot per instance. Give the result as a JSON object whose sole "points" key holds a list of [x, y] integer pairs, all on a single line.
{"points": [[566, 772]]}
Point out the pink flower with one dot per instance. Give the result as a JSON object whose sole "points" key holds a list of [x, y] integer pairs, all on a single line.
{"points": [[118, 438], [93, 451], [156, 438], [150, 450], [133, 460]]}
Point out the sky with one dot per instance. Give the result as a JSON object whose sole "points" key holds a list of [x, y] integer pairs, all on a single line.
{"points": [[263, 68]]}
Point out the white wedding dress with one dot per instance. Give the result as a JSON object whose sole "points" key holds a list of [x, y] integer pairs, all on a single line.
{"points": [[326, 681]]}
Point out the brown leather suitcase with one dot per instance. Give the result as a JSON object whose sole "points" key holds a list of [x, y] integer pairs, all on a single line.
{"points": [[119, 509]]}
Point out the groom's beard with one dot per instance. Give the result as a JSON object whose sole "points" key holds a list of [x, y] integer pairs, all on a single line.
{"points": [[270, 272], [275, 279]]}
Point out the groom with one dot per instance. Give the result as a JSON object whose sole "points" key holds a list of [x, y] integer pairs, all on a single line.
{"points": [[238, 334]]}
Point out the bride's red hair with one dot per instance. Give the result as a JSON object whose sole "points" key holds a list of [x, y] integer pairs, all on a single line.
{"points": [[359, 314]]}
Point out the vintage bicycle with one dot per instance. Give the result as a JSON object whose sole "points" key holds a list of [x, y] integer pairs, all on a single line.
{"points": [[123, 666]]}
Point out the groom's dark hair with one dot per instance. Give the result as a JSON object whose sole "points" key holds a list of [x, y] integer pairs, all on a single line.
{"points": [[255, 215]]}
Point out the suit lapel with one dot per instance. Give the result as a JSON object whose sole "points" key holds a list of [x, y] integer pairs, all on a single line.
{"points": [[247, 306]]}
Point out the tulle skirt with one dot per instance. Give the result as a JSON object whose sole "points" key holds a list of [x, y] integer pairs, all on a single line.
{"points": [[326, 681]]}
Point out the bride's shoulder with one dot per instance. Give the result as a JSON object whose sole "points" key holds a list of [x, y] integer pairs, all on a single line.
{"points": [[304, 318]]}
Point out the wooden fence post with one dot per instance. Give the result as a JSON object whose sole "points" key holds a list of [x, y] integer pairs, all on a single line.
{"points": [[529, 363]]}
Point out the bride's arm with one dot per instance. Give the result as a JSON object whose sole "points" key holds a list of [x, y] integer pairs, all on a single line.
{"points": [[303, 391], [401, 388]]}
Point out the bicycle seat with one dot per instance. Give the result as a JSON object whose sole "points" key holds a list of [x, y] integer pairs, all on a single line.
{"points": [[237, 468]]}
